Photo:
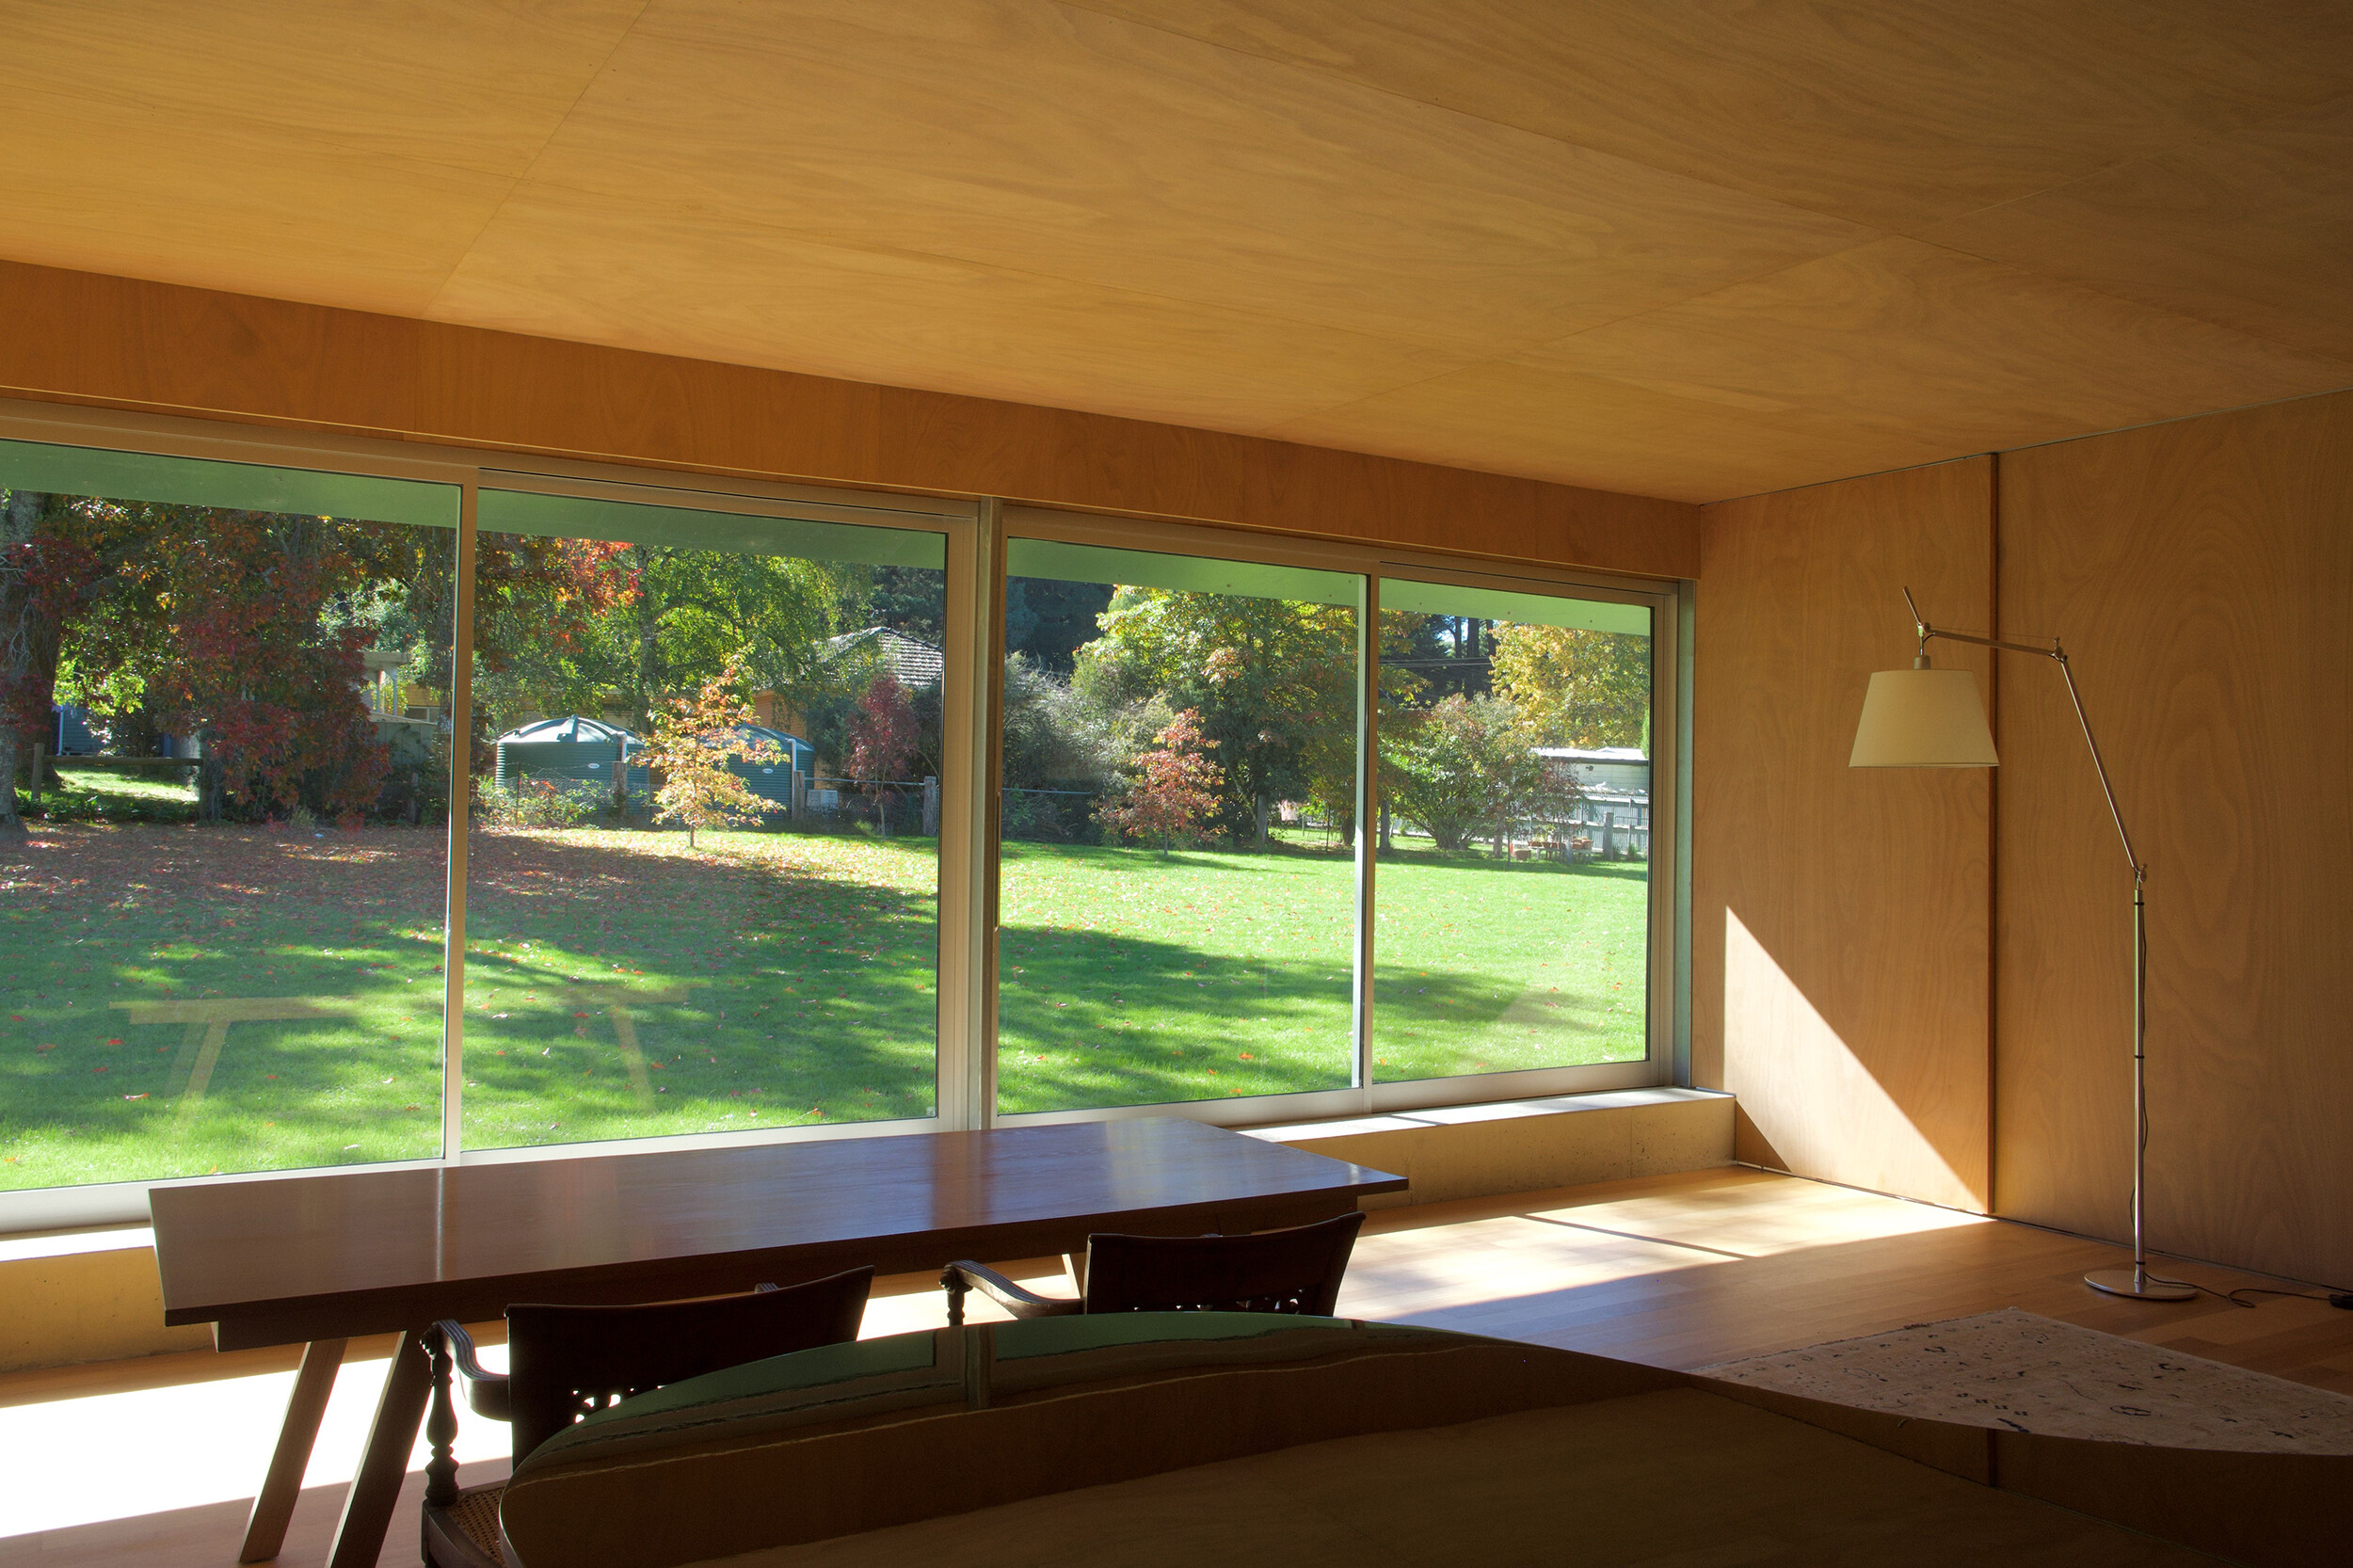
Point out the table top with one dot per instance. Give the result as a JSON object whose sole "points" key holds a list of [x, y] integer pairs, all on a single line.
{"points": [[1179, 1438], [332, 1256]]}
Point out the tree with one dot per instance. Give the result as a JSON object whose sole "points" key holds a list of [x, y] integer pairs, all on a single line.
{"points": [[1464, 765], [883, 733], [1050, 620], [46, 576], [695, 738], [1272, 681], [1575, 687], [1175, 791], [591, 622]]}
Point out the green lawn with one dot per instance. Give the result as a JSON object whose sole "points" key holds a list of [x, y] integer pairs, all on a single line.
{"points": [[1128, 978], [119, 794], [763, 979]]}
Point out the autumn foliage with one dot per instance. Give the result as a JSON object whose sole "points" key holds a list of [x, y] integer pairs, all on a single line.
{"points": [[883, 736], [1175, 791], [695, 738], [272, 693]]}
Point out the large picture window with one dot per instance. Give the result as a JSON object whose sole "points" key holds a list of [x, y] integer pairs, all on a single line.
{"points": [[1177, 881], [703, 872], [224, 943], [728, 762], [1513, 910]]}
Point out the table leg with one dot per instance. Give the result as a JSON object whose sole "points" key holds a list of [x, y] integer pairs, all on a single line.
{"points": [[265, 1530], [368, 1506]]}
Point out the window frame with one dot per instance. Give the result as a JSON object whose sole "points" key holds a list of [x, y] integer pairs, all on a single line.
{"points": [[1371, 563], [976, 531]]}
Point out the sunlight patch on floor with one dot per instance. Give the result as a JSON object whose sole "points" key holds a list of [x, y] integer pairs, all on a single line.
{"points": [[109, 1456]]}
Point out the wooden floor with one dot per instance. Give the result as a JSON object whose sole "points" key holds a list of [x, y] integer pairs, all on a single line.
{"points": [[1680, 1272]]}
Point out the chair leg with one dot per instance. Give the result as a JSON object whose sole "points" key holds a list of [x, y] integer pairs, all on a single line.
{"points": [[952, 1282], [441, 1425]]}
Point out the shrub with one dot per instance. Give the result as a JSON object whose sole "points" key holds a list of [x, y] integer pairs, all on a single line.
{"points": [[536, 803]]}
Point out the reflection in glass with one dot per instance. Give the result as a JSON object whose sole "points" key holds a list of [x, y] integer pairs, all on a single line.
{"points": [[1513, 902], [223, 704], [1176, 879], [702, 877]]}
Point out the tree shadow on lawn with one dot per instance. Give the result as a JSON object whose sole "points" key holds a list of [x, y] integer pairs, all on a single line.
{"points": [[1468, 861], [797, 994], [1100, 1020], [1013, 852], [762, 986]]}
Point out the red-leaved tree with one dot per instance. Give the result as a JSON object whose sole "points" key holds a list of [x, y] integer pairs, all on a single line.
{"points": [[1176, 788], [45, 576], [883, 737], [272, 694]]}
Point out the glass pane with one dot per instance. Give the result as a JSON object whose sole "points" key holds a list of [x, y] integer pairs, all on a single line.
{"points": [[1176, 902], [224, 922], [703, 869], [1511, 924]]}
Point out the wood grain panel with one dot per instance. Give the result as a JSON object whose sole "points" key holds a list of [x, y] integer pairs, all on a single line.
{"points": [[598, 268], [2199, 573], [1364, 226], [1139, 161], [1839, 916], [200, 202], [1889, 114], [469, 86], [80, 337], [2250, 230], [1684, 441], [1892, 340]]}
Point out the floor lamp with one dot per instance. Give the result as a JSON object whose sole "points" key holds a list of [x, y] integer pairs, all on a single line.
{"points": [[1932, 718]]}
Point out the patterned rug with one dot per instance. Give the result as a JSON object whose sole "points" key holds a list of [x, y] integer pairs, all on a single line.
{"points": [[2012, 1368]]}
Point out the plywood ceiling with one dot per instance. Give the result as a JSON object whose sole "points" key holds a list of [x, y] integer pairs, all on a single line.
{"points": [[1693, 250]]}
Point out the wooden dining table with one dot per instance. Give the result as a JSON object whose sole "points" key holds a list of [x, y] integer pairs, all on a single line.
{"points": [[321, 1259]]}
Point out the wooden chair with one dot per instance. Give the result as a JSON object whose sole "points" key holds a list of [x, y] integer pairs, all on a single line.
{"points": [[1273, 1270], [570, 1361]]}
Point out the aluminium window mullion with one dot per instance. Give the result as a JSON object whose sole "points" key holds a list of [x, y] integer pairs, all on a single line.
{"points": [[1368, 805], [460, 798], [962, 1068]]}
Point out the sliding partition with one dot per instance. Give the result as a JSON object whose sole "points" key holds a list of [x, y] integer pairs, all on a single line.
{"points": [[1516, 918], [1176, 906], [779, 813], [702, 868], [224, 945]]}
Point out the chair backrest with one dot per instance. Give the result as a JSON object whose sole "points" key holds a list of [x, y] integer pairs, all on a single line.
{"points": [[569, 1361], [1276, 1270]]}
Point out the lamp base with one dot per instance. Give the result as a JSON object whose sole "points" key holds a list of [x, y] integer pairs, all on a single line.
{"points": [[2138, 1284]]}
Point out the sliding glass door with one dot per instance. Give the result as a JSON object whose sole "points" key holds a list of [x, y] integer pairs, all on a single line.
{"points": [[224, 939], [1269, 829], [702, 876], [1514, 906], [1178, 883]]}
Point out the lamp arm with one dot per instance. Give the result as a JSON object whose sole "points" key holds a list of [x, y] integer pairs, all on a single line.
{"points": [[2137, 1283], [2067, 672]]}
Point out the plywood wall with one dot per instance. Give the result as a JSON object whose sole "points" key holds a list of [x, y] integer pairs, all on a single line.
{"points": [[1848, 927], [2201, 576], [1839, 920], [84, 337]]}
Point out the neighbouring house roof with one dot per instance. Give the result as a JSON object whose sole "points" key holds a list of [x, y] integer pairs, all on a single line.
{"points": [[570, 727], [1592, 754], [914, 663]]}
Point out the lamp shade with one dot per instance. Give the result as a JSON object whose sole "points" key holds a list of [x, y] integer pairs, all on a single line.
{"points": [[1923, 718]]}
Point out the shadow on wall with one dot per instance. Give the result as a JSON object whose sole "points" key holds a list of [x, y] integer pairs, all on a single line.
{"points": [[1810, 1105]]}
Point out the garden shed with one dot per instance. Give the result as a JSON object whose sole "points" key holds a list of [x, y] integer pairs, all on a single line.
{"points": [[770, 776], [1602, 771], [572, 749]]}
